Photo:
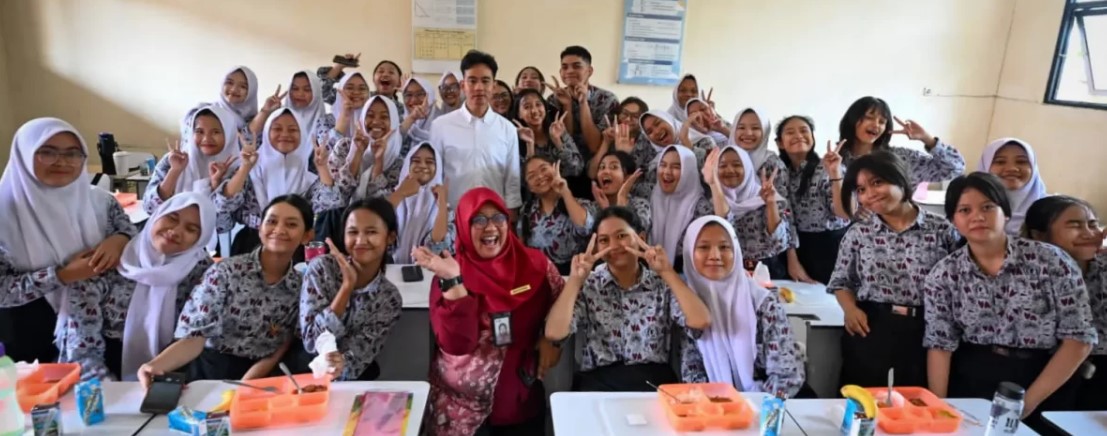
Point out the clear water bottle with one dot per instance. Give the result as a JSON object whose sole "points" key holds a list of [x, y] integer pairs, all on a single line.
{"points": [[1006, 409], [11, 415]]}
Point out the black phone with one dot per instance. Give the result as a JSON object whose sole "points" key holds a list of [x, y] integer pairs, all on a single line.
{"points": [[343, 60], [412, 273], [164, 393]]}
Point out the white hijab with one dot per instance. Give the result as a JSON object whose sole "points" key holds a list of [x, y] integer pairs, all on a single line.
{"points": [[310, 114], [248, 109], [420, 129], [195, 176], [1021, 198], [339, 102], [746, 197], [679, 207], [152, 312], [278, 174], [443, 109], [729, 345], [761, 153], [676, 109], [667, 118], [694, 134], [391, 150], [416, 213]]}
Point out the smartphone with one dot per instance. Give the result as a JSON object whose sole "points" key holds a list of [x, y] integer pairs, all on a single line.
{"points": [[343, 60], [412, 273], [164, 393]]}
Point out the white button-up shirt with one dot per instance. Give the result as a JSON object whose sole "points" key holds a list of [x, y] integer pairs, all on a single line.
{"points": [[479, 152]]}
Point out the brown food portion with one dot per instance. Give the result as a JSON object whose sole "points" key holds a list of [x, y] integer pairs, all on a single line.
{"points": [[719, 399], [917, 402], [946, 414], [313, 388]]}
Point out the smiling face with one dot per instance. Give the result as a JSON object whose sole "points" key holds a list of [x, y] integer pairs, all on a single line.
{"points": [[491, 238], [610, 175], [284, 134], [529, 78], [414, 95], [706, 115], [236, 87], [713, 255], [176, 231], [423, 165], [659, 131], [668, 171], [575, 71], [1012, 165], [749, 132], [207, 133], [796, 137], [377, 119], [532, 110], [59, 161], [876, 194], [1075, 230], [283, 229], [617, 233], [870, 127], [731, 172], [687, 90], [386, 77], [367, 237], [300, 92], [450, 91], [501, 99], [629, 114], [357, 90], [539, 176], [977, 218]]}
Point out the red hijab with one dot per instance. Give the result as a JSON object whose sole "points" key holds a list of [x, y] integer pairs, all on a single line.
{"points": [[514, 269]]}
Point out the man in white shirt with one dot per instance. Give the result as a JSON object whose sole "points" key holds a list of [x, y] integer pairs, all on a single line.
{"points": [[479, 147]]}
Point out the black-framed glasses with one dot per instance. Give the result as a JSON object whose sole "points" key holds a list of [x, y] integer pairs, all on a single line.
{"points": [[450, 88], [481, 221], [503, 96], [410, 95], [49, 156]]}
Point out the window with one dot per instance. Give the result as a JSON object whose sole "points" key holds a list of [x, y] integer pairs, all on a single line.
{"points": [[1079, 73]]}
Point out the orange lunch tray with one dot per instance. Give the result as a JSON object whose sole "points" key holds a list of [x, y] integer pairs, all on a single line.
{"points": [[936, 416], [704, 406], [126, 198], [46, 384], [254, 408]]}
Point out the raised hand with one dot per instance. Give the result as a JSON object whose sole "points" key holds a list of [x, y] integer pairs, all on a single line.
{"points": [[216, 171], [361, 141], [711, 168], [655, 256], [584, 262], [599, 196], [273, 102], [442, 265], [913, 131], [623, 142], [380, 145], [349, 269], [441, 194], [418, 112], [321, 155], [178, 160], [527, 136], [348, 105], [249, 152], [558, 183], [768, 189], [408, 186], [609, 132], [580, 94], [622, 198], [707, 97], [832, 161], [557, 128], [564, 94]]}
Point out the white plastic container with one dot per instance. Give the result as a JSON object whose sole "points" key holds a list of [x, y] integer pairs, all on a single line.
{"points": [[11, 415]]}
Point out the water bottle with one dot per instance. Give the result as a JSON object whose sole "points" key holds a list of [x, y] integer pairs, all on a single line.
{"points": [[11, 415], [1006, 409]]}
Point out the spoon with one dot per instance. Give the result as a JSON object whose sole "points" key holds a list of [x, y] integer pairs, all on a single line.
{"points": [[268, 389], [664, 391], [284, 369]]}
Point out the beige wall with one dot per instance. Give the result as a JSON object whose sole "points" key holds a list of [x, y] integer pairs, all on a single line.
{"points": [[7, 127], [134, 67], [1071, 143]]}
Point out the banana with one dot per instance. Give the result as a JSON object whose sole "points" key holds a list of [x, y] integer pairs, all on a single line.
{"points": [[787, 295], [862, 397], [225, 404]]}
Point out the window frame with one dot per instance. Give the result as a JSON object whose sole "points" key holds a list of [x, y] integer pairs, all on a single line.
{"points": [[1073, 16]]}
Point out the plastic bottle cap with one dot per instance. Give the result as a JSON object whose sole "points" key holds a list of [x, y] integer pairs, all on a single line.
{"points": [[1011, 390]]}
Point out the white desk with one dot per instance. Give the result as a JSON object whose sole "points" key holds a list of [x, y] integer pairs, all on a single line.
{"points": [[416, 295], [136, 212], [1079, 423], [121, 415], [604, 414]]}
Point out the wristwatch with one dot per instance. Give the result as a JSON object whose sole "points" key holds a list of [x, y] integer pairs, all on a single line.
{"points": [[447, 284]]}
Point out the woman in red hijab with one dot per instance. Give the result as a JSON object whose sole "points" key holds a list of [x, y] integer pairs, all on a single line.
{"points": [[487, 308]]}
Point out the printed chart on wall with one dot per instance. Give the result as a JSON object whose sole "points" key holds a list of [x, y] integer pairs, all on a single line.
{"points": [[442, 32], [653, 38]]}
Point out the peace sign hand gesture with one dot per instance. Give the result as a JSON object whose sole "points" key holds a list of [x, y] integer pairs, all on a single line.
{"points": [[622, 198], [348, 105], [832, 161], [584, 262], [707, 97], [914, 132], [768, 188], [527, 136], [322, 156], [349, 269], [564, 94], [654, 256], [273, 102], [557, 128], [178, 160], [249, 152], [558, 183], [216, 171]]}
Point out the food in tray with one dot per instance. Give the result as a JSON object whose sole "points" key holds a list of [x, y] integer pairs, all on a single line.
{"points": [[945, 414], [720, 399], [691, 397], [313, 388], [918, 402]]}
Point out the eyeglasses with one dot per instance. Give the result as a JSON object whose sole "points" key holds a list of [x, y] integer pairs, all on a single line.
{"points": [[503, 96], [450, 88], [50, 157], [408, 95], [357, 89], [481, 221], [630, 115]]}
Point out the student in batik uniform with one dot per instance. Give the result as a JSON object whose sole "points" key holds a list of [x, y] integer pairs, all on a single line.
{"points": [[543, 134], [552, 220], [663, 131], [751, 132], [585, 107], [211, 144], [418, 98], [615, 174], [679, 197], [705, 121], [239, 96], [1014, 162], [425, 219]]}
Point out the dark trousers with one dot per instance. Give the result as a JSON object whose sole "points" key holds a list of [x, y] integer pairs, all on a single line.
{"points": [[27, 332], [818, 252], [778, 266], [535, 426], [618, 377], [976, 370], [894, 341], [113, 356], [1093, 391], [214, 365]]}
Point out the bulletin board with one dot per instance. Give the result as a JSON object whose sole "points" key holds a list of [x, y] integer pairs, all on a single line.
{"points": [[653, 39], [442, 32]]}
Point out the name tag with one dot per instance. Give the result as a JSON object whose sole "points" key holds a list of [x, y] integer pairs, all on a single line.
{"points": [[520, 290]]}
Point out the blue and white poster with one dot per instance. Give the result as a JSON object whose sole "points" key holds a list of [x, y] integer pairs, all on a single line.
{"points": [[653, 38]]}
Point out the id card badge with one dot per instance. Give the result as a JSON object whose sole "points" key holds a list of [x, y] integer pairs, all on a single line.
{"points": [[501, 328]]}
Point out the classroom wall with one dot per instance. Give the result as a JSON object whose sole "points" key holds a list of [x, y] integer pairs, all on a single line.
{"points": [[1071, 142], [7, 128], [134, 67]]}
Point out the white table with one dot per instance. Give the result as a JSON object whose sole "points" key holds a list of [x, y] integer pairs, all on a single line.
{"points": [[136, 213], [122, 400], [817, 322], [604, 414], [1079, 423]]}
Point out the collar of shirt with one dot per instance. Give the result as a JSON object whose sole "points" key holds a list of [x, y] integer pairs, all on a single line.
{"points": [[470, 118], [255, 263], [606, 278], [1009, 260], [373, 284], [919, 223]]}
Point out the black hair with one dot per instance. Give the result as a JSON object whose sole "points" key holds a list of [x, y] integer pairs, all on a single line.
{"points": [[510, 99], [206, 112], [300, 203], [621, 212], [399, 71], [525, 226], [378, 205], [301, 74], [847, 128], [626, 161], [630, 100], [812, 158], [541, 77], [477, 57], [883, 165], [576, 50], [516, 111], [987, 184], [1044, 212]]}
